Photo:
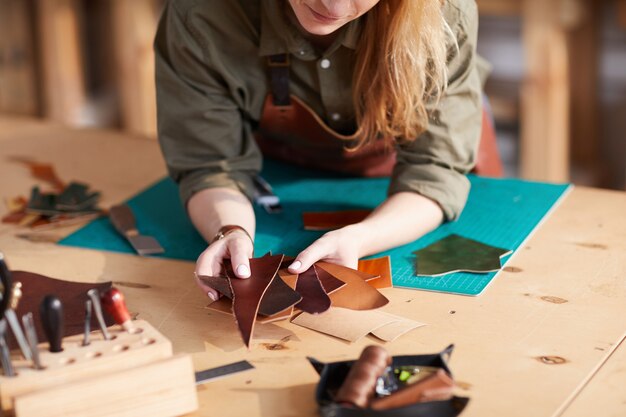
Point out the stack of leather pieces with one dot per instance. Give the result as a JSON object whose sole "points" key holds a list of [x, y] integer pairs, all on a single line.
{"points": [[272, 293]]}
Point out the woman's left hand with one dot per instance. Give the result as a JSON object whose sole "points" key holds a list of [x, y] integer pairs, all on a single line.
{"points": [[342, 247]]}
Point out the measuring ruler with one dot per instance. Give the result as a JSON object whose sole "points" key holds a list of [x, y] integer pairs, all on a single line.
{"points": [[222, 371]]}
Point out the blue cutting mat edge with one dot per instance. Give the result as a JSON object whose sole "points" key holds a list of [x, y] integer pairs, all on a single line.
{"points": [[123, 246]]}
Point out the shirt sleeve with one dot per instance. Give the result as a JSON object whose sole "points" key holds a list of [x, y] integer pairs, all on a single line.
{"points": [[204, 138], [435, 164]]}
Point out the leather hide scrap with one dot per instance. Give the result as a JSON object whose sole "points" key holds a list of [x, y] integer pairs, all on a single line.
{"points": [[247, 293]]}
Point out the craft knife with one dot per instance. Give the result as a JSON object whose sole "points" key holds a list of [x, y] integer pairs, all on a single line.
{"points": [[265, 197], [113, 302], [31, 335], [124, 222], [51, 314], [87, 331], [222, 371], [94, 295], [14, 324], [5, 355]]}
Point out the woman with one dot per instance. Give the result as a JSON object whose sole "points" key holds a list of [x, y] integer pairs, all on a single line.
{"points": [[386, 87]]}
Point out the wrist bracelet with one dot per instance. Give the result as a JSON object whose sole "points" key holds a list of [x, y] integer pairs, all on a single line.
{"points": [[228, 229]]}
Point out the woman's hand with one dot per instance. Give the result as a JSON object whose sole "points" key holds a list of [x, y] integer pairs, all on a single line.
{"points": [[236, 248], [342, 247]]}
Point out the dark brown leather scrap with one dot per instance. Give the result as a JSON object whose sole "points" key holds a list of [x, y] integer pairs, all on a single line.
{"points": [[314, 298], [72, 294], [357, 293], [278, 298], [247, 293]]}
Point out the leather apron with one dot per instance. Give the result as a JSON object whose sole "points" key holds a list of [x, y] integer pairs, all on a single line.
{"points": [[291, 131]]}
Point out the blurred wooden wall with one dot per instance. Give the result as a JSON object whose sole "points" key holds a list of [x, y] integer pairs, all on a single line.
{"points": [[90, 63]]}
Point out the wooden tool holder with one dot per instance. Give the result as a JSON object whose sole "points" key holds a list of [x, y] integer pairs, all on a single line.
{"points": [[131, 375]]}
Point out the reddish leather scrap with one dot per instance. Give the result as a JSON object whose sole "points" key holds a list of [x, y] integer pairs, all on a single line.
{"points": [[329, 220], [72, 294], [314, 298], [247, 293], [357, 294]]}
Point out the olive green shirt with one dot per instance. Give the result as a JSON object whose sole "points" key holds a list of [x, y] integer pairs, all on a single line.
{"points": [[212, 80]]}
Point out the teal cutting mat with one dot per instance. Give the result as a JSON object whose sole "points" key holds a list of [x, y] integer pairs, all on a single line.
{"points": [[499, 212]]}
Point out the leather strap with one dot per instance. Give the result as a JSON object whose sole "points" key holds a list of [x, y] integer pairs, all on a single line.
{"points": [[279, 79]]}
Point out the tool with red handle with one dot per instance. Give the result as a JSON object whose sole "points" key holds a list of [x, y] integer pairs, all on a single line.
{"points": [[113, 302]]}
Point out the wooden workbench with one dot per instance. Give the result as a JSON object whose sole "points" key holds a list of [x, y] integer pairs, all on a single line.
{"points": [[563, 296]]}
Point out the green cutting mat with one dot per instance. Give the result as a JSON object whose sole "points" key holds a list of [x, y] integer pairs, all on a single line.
{"points": [[499, 212]]}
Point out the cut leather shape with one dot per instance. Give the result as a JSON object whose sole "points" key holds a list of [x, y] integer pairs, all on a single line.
{"points": [[436, 387], [291, 280], [357, 294], [329, 282], [348, 324], [392, 331], [72, 294], [314, 298], [247, 293], [42, 171], [219, 284], [377, 266], [456, 253], [330, 220], [278, 298]]}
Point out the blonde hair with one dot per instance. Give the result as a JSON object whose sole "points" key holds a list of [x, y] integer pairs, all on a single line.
{"points": [[400, 66]]}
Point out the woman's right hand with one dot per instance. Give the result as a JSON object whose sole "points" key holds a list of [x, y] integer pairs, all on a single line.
{"points": [[236, 247]]}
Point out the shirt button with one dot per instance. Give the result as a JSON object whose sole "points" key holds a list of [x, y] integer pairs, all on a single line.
{"points": [[325, 63], [335, 116]]}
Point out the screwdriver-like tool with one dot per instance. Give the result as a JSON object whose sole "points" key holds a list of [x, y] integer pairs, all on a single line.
{"points": [[51, 314], [87, 331], [31, 335], [5, 355], [113, 302], [14, 324], [94, 295]]}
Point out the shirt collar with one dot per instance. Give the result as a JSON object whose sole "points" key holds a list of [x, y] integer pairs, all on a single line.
{"points": [[279, 35]]}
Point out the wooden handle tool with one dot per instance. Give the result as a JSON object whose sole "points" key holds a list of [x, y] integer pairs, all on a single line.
{"points": [[51, 311], [113, 302]]}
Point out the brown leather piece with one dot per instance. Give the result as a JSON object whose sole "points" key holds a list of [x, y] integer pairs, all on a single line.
{"points": [[247, 293], [329, 282], [291, 280], [278, 298], [436, 387], [358, 387], [377, 266], [219, 284], [43, 171], [72, 294], [357, 293], [314, 298], [329, 220]]}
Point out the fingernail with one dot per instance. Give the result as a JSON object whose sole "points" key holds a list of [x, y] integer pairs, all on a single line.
{"points": [[243, 271], [211, 296], [296, 265]]}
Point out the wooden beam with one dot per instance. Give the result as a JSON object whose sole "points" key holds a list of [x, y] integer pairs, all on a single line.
{"points": [[621, 12], [545, 93], [18, 79], [62, 63], [499, 7], [584, 44], [134, 25]]}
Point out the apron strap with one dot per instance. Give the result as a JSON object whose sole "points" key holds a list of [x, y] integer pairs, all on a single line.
{"points": [[279, 79]]}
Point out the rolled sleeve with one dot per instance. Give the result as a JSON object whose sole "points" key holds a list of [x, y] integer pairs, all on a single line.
{"points": [[435, 164], [205, 140]]}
